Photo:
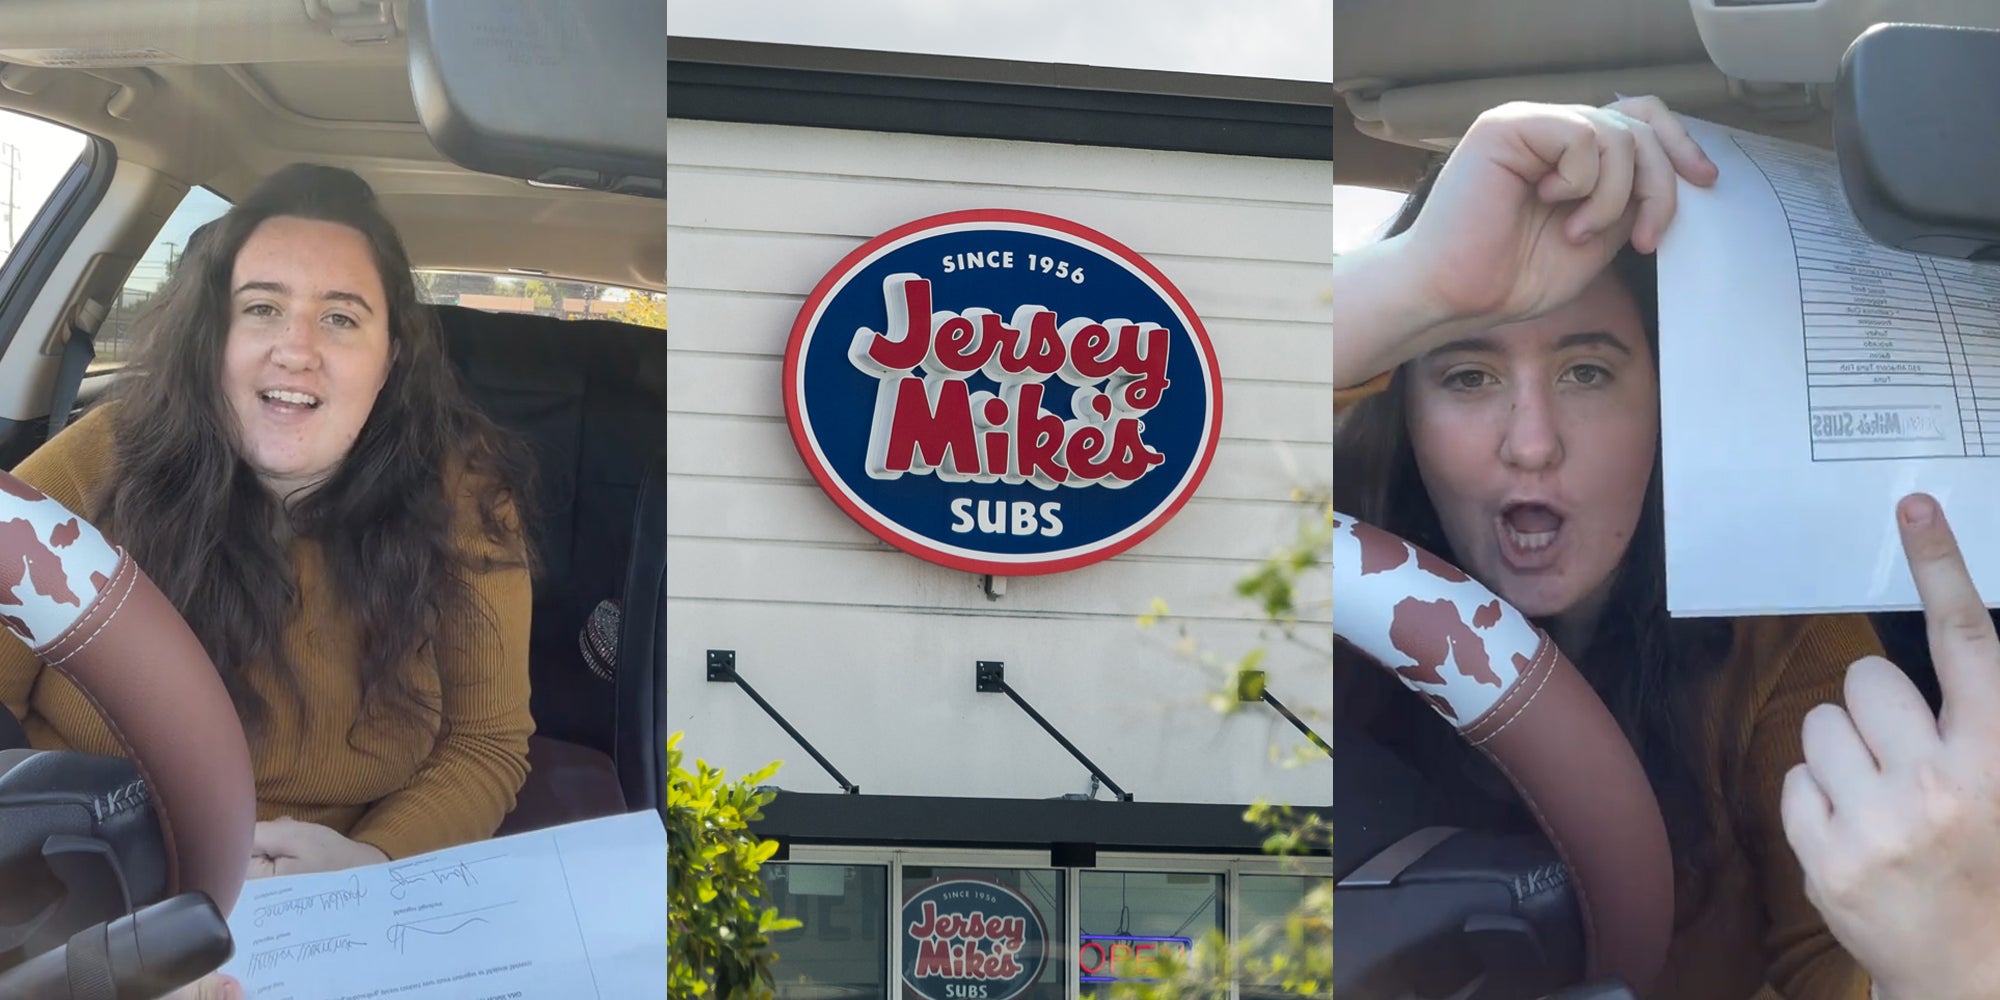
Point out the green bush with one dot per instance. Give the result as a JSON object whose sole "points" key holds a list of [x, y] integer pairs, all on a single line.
{"points": [[719, 920]]}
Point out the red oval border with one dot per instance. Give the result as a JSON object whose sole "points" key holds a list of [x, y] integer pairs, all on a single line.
{"points": [[829, 483]]}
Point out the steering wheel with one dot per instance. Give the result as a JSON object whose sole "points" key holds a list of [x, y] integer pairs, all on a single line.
{"points": [[1512, 694], [85, 608]]}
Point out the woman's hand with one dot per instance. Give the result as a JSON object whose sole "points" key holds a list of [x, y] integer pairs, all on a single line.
{"points": [[1531, 206], [214, 986], [1537, 198], [1895, 814], [290, 847]]}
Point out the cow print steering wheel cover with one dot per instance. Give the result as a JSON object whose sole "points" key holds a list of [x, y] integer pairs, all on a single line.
{"points": [[87, 611], [1512, 694]]}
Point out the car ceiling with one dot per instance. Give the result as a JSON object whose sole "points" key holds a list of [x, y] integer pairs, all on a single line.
{"points": [[222, 92], [1413, 74]]}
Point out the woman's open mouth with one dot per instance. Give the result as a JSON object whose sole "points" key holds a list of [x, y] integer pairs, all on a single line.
{"points": [[289, 400], [1528, 535]]}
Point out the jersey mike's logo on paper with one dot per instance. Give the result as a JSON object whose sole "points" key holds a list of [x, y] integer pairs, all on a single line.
{"points": [[1842, 424], [1002, 392], [968, 939]]}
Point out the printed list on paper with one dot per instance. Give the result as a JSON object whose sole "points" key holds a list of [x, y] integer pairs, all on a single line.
{"points": [[571, 911], [1810, 377]]}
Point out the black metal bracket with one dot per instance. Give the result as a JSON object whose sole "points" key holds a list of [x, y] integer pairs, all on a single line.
{"points": [[990, 677], [1251, 686], [722, 669]]}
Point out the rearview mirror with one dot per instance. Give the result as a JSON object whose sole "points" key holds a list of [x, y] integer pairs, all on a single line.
{"points": [[1916, 123], [572, 93]]}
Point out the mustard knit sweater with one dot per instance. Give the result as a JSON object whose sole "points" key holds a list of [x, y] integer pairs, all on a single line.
{"points": [[402, 792]]}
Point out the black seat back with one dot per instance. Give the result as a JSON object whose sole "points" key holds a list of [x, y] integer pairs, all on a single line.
{"points": [[589, 396], [642, 650]]}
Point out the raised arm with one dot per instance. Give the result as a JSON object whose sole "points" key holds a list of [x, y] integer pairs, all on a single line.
{"points": [[1532, 204]]}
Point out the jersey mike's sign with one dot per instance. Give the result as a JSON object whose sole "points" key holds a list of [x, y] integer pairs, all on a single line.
{"points": [[969, 939], [1002, 392]]}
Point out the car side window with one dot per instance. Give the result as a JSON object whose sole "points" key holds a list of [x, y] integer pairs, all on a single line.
{"points": [[198, 206], [557, 298], [34, 156]]}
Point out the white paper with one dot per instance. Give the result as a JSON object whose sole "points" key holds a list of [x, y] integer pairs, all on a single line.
{"points": [[568, 912], [1810, 378]]}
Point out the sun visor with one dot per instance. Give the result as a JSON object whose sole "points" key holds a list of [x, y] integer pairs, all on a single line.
{"points": [[1434, 115], [1802, 41], [567, 94]]}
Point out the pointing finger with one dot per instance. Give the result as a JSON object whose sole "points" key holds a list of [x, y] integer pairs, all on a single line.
{"points": [[1962, 640]]}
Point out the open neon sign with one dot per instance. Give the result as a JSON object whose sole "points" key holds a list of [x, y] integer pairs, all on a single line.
{"points": [[1099, 955]]}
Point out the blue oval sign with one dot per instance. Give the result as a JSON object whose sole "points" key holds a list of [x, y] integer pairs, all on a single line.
{"points": [[969, 939], [1003, 392]]}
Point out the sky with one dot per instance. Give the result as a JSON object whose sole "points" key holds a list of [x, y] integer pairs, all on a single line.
{"points": [[1359, 213], [1279, 39], [46, 153]]}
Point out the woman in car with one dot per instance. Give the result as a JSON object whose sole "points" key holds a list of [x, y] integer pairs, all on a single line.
{"points": [[291, 459], [1502, 346]]}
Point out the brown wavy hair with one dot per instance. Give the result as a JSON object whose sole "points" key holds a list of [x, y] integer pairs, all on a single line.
{"points": [[198, 520]]}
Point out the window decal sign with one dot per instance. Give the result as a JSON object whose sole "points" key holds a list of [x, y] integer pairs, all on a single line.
{"points": [[969, 939], [1003, 392]]}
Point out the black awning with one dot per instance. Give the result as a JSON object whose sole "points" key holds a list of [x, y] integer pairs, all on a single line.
{"points": [[927, 821]]}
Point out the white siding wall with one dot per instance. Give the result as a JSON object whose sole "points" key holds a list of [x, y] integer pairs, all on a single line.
{"points": [[870, 652]]}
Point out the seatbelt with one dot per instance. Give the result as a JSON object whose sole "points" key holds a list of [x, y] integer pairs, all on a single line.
{"points": [[78, 352]]}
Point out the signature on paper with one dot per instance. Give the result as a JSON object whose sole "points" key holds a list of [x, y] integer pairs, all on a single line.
{"points": [[331, 899], [415, 873], [273, 957], [442, 925]]}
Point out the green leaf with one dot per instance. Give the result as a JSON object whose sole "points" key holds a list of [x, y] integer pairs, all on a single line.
{"points": [[718, 942]]}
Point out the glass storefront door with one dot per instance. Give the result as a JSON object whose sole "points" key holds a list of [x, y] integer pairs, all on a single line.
{"points": [[1263, 902], [1127, 920], [839, 952], [963, 925], [982, 933]]}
